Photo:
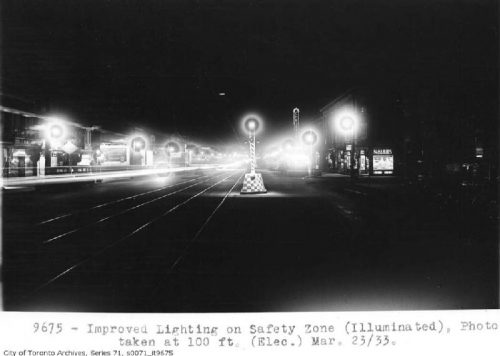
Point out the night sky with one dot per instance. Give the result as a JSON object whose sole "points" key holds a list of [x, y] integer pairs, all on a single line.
{"points": [[161, 64]]}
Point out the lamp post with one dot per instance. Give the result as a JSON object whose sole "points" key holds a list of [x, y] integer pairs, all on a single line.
{"points": [[347, 123], [309, 138], [253, 182], [54, 133], [170, 148], [252, 125], [138, 145]]}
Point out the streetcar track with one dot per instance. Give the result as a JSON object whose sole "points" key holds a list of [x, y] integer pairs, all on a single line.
{"points": [[114, 202], [104, 249], [109, 217], [185, 250], [203, 226]]}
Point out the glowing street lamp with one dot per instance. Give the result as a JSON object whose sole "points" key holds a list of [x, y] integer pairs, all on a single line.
{"points": [[309, 138], [253, 182], [137, 152], [171, 148], [138, 144], [288, 145], [347, 122], [252, 124], [54, 133]]}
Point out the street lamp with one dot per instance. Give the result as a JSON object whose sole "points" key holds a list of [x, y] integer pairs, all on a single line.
{"points": [[309, 138], [55, 131], [347, 123], [171, 148], [288, 145], [253, 182], [138, 146], [252, 124]]}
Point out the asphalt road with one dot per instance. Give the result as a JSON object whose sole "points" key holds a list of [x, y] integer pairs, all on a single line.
{"points": [[192, 243]]}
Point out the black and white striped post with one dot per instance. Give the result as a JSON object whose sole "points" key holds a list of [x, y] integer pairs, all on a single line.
{"points": [[253, 182]]}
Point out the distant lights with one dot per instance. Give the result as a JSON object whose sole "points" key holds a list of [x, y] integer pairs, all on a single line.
{"points": [[138, 144], [56, 131], [347, 121], [172, 147], [309, 137], [252, 123], [287, 145]]}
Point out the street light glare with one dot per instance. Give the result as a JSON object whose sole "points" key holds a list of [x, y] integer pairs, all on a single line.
{"points": [[288, 145], [138, 144], [347, 123], [56, 131], [309, 137], [172, 147], [251, 123]]}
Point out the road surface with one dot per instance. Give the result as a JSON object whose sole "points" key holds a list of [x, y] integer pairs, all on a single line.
{"points": [[190, 242]]}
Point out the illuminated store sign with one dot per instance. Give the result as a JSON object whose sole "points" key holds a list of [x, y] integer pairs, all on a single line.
{"points": [[383, 161], [382, 151]]}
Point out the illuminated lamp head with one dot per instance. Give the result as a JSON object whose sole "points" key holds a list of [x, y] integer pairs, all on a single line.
{"points": [[56, 131], [288, 145], [138, 144], [347, 123], [172, 147], [309, 137], [252, 123]]}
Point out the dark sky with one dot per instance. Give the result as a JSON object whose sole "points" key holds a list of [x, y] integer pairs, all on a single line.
{"points": [[161, 64]]}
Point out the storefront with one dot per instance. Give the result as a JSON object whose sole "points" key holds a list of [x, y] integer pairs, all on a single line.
{"points": [[377, 161], [364, 162], [19, 162], [112, 154], [383, 161]]}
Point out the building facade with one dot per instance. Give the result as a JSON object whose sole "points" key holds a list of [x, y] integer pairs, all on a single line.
{"points": [[349, 145]]}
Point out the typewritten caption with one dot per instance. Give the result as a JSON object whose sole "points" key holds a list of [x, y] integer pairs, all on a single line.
{"points": [[54, 334]]}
